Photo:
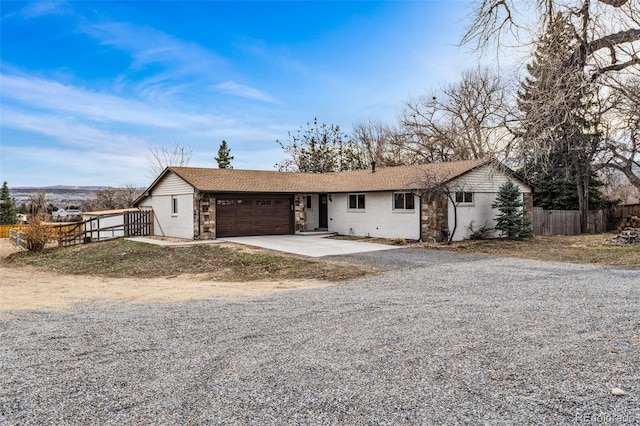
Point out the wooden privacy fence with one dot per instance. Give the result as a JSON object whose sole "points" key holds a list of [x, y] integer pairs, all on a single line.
{"points": [[5, 229], [622, 212], [98, 228], [567, 222]]}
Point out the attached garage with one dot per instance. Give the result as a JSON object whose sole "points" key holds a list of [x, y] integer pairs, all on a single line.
{"points": [[238, 216]]}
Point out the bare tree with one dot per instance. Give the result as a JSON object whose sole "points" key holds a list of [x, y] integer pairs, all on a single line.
{"points": [[623, 132], [38, 202], [379, 142], [111, 198], [560, 133], [607, 31], [462, 121], [127, 194], [618, 187], [319, 148], [599, 42], [439, 190], [161, 158]]}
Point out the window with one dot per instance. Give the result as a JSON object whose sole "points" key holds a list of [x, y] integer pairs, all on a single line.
{"points": [[174, 205], [309, 201], [403, 201], [356, 201], [464, 197]]}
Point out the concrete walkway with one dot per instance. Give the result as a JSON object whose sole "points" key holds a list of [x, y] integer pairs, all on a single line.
{"points": [[305, 245]]}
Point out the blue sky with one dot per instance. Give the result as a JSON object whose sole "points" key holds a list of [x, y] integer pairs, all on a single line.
{"points": [[88, 88]]}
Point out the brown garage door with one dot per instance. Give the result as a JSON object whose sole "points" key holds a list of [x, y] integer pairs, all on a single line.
{"points": [[238, 216]]}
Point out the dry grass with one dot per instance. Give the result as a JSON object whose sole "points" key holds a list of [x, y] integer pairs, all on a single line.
{"points": [[593, 249], [123, 258]]}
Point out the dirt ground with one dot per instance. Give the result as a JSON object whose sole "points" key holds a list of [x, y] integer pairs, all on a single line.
{"points": [[29, 288]]}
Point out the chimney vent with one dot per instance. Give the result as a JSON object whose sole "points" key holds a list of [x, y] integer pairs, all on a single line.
{"points": [[373, 167]]}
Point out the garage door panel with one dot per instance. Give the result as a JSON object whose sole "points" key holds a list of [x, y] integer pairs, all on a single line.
{"points": [[259, 215]]}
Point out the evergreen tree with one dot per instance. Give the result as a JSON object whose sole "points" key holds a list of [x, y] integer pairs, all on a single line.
{"points": [[558, 135], [8, 209], [224, 156], [560, 193], [511, 219]]}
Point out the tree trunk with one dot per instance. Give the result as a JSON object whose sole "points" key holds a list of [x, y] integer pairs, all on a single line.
{"points": [[455, 218], [583, 200]]}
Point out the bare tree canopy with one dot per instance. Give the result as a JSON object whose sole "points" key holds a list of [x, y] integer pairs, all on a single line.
{"points": [[161, 158], [603, 38], [623, 139], [379, 142], [319, 148], [462, 121], [113, 198], [607, 31]]}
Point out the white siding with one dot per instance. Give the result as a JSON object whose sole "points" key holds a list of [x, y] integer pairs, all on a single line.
{"points": [[378, 219], [480, 212], [105, 222], [172, 185], [167, 224], [484, 182], [486, 179]]}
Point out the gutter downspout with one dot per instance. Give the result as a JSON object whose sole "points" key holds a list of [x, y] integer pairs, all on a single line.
{"points": [[198, 199]]}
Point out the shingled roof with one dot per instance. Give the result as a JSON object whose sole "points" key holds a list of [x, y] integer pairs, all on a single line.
{"points": [[260, 181]]}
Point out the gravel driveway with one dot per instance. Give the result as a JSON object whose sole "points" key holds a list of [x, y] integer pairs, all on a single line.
{"points": [[438, 338]]}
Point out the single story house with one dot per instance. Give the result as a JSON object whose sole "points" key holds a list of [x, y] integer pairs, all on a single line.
{"points": [[387, 202]]}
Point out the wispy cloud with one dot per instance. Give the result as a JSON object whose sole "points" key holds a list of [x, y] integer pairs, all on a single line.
{"points": [[235, 89], [161, 64], [41, 8], [48, 95], [147, 45], [56, 165], [72, 134]]}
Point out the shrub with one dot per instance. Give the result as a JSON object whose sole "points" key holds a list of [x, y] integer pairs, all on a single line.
{"points": [[36, 234], [481, 233], [399, 241]]}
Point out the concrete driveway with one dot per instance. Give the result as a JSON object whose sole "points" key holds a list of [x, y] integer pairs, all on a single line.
{"points": [[308, 245]]}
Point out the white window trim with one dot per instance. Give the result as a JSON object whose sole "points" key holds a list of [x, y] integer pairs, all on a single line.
{"points": [[405, 209], [465, 203], [174, 206], [356, 210]]}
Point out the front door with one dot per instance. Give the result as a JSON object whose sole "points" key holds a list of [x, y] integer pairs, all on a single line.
{"points": [[322, 219]]}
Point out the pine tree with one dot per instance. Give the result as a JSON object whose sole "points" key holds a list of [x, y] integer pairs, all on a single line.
{"points": [[511, 219], [8, 209], [224, 156], [558, 127]]}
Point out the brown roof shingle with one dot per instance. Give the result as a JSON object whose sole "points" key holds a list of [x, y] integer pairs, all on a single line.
{"points": [[384, 179]]}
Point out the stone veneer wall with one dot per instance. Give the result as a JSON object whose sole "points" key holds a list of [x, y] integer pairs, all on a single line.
{"points": [[300, 212], [205, 221], [435, 215]]}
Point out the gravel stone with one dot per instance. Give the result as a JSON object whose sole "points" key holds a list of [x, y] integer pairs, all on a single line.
{"points": [[436, 338]]}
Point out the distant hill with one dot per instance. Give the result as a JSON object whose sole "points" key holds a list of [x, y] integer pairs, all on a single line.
{"points": [[59, 195]]}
